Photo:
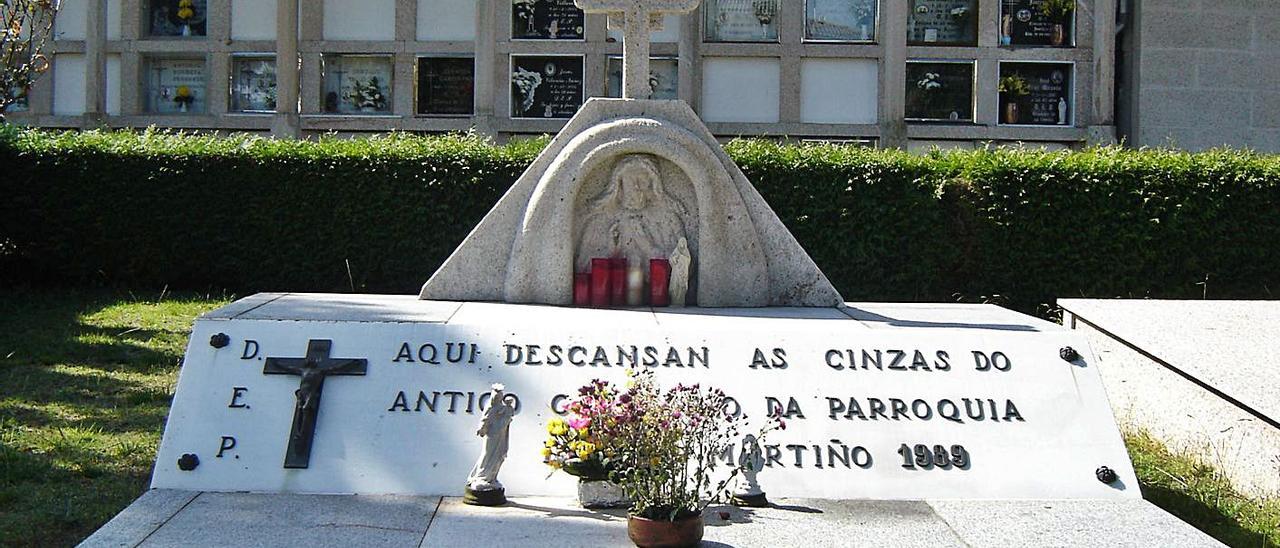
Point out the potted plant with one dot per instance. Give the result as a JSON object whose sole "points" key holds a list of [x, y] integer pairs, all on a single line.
{"points": [[1059, 12], [186, 11], [929, 92], [1012, 89], [667, 446], [583, 444]]}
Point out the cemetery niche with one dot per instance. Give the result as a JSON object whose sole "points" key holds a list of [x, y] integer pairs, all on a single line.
{"points": [[1038, 94], [546, 86], [1037, 23], [253, 83], [446, 86], [741, 20], [840, 20], [546, 20], [664, 78], [940, 91], [943, 23], [179, 18], [356, 84], [177, 86]]}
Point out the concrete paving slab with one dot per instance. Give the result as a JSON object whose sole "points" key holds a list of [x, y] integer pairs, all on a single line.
{"points": [[805, 522], [1228, 345], [524, 522], [1114, 523], [140, 519], [249, 519]]}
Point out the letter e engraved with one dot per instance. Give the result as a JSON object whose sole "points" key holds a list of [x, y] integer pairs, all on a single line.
{"points": [[238, 392]]}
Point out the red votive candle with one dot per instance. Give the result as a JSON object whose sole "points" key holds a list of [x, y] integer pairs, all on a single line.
{"points": [[582, 289], [618, 281], [659, 280], [600, 275]]}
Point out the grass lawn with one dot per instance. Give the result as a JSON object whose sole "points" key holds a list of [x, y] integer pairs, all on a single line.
{"points": [[85, 383]]}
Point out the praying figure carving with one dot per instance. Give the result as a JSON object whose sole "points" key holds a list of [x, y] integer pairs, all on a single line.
{"points": [[633, 217]]}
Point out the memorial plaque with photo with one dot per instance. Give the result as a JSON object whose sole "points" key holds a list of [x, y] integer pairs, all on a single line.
{"points": [[177, 17], [943, 23], [664, 78], [1037, 23], [446, 86], [546, 20], [177, 86], [840, 20], [253, 84], [1037, 94], [357, 84], [545, 86], [741, 20], [940, 91]]}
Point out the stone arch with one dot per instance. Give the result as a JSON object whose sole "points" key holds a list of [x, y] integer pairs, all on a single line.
{"points": [[731, 267]]}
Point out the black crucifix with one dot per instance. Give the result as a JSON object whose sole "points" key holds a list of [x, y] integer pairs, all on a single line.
{"points": [[313, 369]]}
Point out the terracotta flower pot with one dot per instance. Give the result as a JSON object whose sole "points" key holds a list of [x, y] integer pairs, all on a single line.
{"points": [[649, 533], [1059, 35], [1011, 113]]}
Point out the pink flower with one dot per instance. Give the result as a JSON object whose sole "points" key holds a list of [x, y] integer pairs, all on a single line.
{"points": [[579, 423]]}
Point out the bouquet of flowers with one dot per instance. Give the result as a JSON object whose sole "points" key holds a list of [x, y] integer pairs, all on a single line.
{"points": [[184, 98], [1014, 85], [367, 96], [581, 445]]}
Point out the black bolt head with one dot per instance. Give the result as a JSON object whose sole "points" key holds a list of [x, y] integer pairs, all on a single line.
{"points": [[1069, 354], [220, 340], [188, 462], [1106, 475]]}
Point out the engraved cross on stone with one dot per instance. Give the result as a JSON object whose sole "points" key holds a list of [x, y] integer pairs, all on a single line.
{"points": [[637, 18], [313, 369]]}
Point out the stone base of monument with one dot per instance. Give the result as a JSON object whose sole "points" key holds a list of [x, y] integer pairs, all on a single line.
{"points": [[1196, 375], [750, 501], [163, 518], [486, 497], [953, 424]]}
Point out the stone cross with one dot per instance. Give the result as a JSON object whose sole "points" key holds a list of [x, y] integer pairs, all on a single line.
{"points": [[637, 19], [312, 369]]}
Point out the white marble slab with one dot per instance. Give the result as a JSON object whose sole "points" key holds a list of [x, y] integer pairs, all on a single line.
{"points": [[238, 519], [407, 426], [1228, 345]]}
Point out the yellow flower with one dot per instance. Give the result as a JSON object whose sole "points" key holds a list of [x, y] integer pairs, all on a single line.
{"points": [[183, 91], [555, 464], [582, 432], [557, 427], [546, 452]]}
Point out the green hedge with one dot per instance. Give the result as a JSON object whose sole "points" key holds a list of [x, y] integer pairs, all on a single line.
{"points": [[1017, 227]]}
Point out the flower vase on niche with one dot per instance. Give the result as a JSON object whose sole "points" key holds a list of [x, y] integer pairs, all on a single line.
{"points": [[186, 10]]}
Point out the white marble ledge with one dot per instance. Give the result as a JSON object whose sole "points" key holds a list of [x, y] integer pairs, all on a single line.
{"points": [[408, 308], [184, 518]]}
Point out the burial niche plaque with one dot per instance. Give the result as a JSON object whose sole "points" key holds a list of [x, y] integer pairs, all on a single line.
{"points": [[177, 86], [446, 86], [545, 86], [177, 17], [741, 20], [940, 91], [943, 23], [1036, 94], [253, 83], [840, 20], [357, 84], [546, 20], [664, 78], [1037, 23]]}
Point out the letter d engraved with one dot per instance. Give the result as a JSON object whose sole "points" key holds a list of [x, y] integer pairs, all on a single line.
{"points": [[250, 350]]}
